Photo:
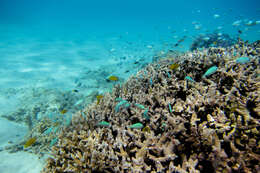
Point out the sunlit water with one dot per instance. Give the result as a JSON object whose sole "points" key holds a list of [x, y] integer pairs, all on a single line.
{"points": [[54, 44]]}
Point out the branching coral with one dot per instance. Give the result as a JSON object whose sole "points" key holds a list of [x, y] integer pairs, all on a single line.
{"points": [[212, 124]]}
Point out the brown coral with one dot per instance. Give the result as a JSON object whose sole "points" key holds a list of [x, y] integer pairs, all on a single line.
{"points": [[213, 124]]}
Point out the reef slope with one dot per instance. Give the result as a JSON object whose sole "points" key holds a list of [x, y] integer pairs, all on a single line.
{"points": [[190, 119]]}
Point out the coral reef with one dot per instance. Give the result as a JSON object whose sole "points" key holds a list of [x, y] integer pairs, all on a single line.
{"points": [[43, 115], [161, 121], [46, 110], [40, 138], [33, 105]]}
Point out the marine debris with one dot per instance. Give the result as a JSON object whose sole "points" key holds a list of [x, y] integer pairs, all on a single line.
{"points": [[212, 125]]}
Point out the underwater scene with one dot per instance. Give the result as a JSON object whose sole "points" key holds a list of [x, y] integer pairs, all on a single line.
{"points": [[129, 86]]}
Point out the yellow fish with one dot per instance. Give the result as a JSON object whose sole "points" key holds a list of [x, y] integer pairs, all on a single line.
{"points": [[30, 142], [56, 124], [146, 129], [113, 78], [99, 97], [174, 66], [64, 111]]}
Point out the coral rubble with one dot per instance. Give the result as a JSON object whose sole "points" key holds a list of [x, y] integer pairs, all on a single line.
{"points": [[207, 124]]}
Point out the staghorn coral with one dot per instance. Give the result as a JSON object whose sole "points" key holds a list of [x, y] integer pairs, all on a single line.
{"points": [[212, 126], [40, 139]]}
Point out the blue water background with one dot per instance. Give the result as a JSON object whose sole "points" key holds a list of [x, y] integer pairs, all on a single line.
{"points": [[52, 18], [76, 44], [59, 39]]}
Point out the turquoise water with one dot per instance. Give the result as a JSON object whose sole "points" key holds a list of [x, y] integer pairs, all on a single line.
{"points": [[35, 33], [50, 48]]}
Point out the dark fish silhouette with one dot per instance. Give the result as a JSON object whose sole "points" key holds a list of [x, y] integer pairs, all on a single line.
{"points": [[179, 41]]}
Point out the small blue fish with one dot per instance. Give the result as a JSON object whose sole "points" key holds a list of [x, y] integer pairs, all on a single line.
{"points": [[242, 60], [104, 124], [139, 106], [137, 126], [188, 78], [151, 81], [48, 131], [121, 104], [169, 75], [127, 105], [145, 114], [119, 99], [210, 71], [53, 142], [55, 129], [170, 108]]}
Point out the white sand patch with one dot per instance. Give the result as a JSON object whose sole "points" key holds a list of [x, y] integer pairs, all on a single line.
{"points": [[26, 70], [7, 104], [20, 162], [47, 64], [11, 131], [62, 67], [44, 69]]}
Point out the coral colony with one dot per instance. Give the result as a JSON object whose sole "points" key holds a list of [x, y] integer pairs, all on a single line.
{"points": [[200, 117]]}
